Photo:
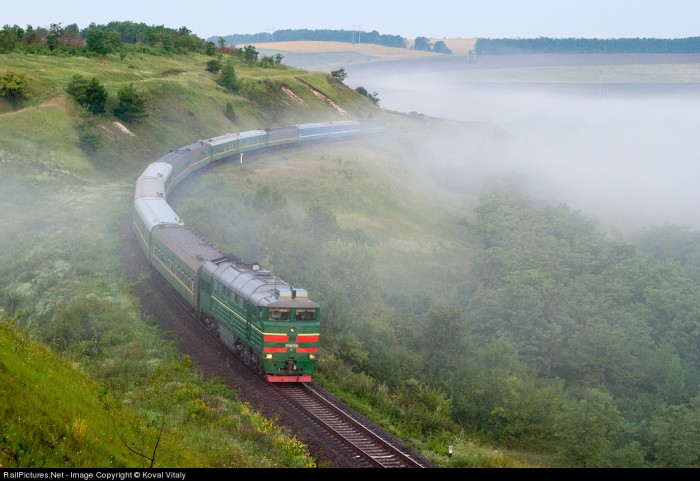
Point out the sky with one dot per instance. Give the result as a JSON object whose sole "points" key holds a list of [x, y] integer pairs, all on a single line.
{"points": [[407, 18]]}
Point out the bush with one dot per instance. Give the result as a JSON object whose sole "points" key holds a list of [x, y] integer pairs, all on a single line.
{"points": [[230, 113], [213, 65], [228, 78], [13, 86], [90, 140], [90, 94], [131, 105]]}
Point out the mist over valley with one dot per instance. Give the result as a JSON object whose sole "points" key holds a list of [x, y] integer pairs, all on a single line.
{"points": [[581, 129]]}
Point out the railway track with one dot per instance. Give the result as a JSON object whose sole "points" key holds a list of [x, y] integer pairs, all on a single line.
{"points": [[370, 449]]}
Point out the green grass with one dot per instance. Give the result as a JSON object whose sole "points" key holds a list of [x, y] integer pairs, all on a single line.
{"points": [[50, 410]]}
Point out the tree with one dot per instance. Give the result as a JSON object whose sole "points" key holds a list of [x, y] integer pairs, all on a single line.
{"points": [[447, 327], [96, 96], [340, 75], [14, 86], [674, 434], [131, 105], [250, 54], [90, 94], [441, 47], [374, 97], [422, 43], [213, 65], [585, 429], [228, 78], [11, 38], [103, 41]]}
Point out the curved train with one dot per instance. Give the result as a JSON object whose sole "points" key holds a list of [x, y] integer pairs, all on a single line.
{"points": [[272, 325]]}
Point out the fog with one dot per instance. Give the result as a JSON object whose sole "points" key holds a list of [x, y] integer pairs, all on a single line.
{"points": [[627, 155]]}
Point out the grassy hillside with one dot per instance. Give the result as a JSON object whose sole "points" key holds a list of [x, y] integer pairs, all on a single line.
{"points": [[185, 104]]}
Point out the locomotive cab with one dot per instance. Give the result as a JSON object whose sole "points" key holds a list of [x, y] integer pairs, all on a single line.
{"points": [[290, 350]]}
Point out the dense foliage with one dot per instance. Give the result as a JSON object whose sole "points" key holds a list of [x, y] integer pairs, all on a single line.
{"points": [[564, 340]]}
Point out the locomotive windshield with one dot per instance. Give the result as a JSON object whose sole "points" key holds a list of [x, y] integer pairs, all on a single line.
{"points": [[279, 314], [305, 314]]}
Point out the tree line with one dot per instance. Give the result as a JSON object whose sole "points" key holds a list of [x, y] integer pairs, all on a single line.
{"points": [[347, 36], [510, 46], [101, 39]]}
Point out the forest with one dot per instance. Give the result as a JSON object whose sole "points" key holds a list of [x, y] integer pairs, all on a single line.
{"points": [[557, 338]]}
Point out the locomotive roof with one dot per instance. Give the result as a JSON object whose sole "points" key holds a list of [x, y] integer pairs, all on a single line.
{"points": [[259, 286]]}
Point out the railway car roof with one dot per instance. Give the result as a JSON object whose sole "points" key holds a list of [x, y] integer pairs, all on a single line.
{"points": [[192, 249], [156, 211], [158, 169], [149, 187], [226, 138], [184, 152]]}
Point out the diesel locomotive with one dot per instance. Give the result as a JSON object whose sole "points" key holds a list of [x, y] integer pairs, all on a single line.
{"points": [[272, 325]]}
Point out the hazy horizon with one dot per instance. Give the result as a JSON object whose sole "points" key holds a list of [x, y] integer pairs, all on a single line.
{"points": [[449, 19]]}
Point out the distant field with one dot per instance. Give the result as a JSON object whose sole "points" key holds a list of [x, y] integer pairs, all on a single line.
{"points": [[459, 46], [367, 49], [329, 56], [577, 68]]}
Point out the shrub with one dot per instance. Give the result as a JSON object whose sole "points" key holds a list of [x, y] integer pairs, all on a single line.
{"points": [[131, 105]]}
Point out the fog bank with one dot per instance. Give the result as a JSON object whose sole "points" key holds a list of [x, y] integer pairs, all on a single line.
{"points": [[626, 154]]}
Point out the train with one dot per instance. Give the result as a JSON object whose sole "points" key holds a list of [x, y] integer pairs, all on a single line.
{"points": [[269, 323]]}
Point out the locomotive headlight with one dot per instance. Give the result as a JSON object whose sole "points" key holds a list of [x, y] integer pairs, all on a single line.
{"points": [[312, 357], [292, 330], [268, 356]]}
